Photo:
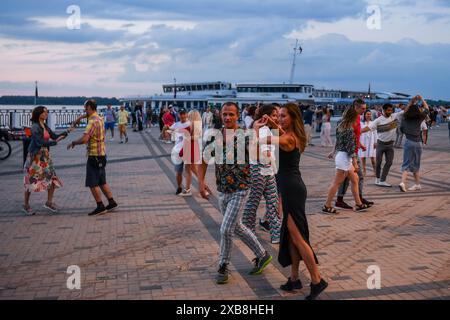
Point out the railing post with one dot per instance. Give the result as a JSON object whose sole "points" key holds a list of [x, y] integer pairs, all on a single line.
{"points": [[51, 121], [15, 120]]}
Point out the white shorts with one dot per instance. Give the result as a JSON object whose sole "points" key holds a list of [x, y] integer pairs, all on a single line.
{"points": [[343, 161]]}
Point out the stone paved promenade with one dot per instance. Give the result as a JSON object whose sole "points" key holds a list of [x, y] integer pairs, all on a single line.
{"points": [[160, 246]]}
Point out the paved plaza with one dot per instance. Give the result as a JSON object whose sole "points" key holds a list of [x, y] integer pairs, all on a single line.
{"points": [[161, 246]]}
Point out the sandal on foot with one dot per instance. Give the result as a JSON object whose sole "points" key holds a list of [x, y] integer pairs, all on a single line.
{"points": [[360, 208], [329, 210]]}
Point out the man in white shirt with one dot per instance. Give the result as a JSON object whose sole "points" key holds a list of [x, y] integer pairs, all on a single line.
{"points": [[177, 129], [207, 119], [386, 127]]}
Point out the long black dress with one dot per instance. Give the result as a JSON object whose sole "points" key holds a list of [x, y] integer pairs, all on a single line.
{"points": [[293, 195]]}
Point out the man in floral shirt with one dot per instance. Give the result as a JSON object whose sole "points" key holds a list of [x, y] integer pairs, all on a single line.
{"points": [[232, 179]]}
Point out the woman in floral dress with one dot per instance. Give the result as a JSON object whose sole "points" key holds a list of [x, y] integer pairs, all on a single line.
{"points": [[40, 175]]}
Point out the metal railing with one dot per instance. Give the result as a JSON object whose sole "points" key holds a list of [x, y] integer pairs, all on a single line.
{"points": [[20, 118]]}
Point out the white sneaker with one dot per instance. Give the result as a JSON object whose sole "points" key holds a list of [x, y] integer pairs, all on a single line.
{"points": [[186, 193], [415, 187], [402, 187], [51, 207], [112, 139], [384, 184], [28, 211], [377, 181]]}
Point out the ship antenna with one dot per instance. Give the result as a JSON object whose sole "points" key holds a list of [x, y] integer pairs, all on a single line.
{"points": [[298, 49]]}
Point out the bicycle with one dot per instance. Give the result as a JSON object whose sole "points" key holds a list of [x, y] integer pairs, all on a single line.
{"points": [[5, 147]]}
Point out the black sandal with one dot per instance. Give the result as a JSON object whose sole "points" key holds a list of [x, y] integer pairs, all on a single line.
{"points": [[329, 210], [361, 208]]}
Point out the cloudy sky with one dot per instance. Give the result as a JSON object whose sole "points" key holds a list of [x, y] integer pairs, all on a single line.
{"points": [[132, 47]]}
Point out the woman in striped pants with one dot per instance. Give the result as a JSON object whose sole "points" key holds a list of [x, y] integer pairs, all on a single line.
{"points": [[264, 183]]}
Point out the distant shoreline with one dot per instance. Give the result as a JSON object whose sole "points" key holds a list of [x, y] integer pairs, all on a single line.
{"points": [[12, 101]]}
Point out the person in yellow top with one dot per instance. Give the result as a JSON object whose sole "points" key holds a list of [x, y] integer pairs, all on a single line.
{"points": [[123, 123], [94, 138]]}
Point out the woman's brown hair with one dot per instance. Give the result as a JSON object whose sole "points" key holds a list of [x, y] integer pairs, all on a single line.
{"points": [[37, 113], [348, 119], [297, 123], [265, 109]]}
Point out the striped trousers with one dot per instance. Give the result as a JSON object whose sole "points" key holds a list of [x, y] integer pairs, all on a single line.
{"points": [[231, 205], [266, 186]]}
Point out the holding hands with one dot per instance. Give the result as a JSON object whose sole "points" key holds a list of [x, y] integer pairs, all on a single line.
{"points": [[61, 138], [261, 122], [204, 191]]}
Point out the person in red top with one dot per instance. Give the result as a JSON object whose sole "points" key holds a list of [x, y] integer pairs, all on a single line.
{"points": [[360, 106], [168, 121]]}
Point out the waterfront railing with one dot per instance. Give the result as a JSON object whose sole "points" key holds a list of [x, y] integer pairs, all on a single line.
{"points": [[57, 119]]}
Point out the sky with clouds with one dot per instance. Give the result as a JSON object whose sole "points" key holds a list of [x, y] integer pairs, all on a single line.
{"points": [[133, 47]]}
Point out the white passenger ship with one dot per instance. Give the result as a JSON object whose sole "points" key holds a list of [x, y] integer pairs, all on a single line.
{"points": [[199, 95]]}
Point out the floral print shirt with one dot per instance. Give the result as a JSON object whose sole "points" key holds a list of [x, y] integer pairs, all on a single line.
{"points": [[233, 173], [346, 142]]}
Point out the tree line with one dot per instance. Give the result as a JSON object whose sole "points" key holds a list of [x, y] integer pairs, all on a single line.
{"points": [[64, 101]]}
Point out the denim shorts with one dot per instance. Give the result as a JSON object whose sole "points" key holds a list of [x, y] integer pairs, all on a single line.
{"points": [[95, 171], [179, 167], [109, 125], [412, 152]]}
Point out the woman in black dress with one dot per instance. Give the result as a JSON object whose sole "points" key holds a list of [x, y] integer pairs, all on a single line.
{"points": [[294, 242]]}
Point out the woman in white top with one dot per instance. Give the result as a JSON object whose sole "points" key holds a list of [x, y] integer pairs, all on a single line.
{"points": [[325, 134], [248, 120], [263, 182], [369, 140]]}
